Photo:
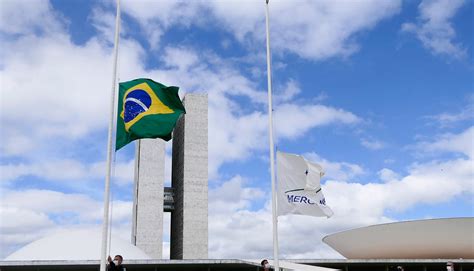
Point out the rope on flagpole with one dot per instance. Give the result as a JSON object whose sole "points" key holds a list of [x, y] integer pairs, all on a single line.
{"points": [[110, 148], [276, 262]]}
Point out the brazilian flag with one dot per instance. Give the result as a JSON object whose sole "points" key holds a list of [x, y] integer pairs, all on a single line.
{"points": [[146, 109]]}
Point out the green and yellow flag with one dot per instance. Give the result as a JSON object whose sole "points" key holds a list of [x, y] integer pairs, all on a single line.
{"points": [[146, 109]]}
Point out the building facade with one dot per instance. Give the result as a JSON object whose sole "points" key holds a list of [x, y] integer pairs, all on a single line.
{"points": [[187, 197]]}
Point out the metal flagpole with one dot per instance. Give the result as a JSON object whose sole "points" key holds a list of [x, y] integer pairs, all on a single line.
{"points": [[110, 149], [272, 155]]}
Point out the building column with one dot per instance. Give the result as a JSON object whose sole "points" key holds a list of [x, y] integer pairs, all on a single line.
{"points": [[147, 220], [189, 219]]}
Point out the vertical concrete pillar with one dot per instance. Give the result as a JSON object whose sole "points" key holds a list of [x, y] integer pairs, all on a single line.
{"points": [[189, 222], [147, 222]]}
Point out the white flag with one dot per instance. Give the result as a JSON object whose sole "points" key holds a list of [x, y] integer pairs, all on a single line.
{"points": [[299, 188]]}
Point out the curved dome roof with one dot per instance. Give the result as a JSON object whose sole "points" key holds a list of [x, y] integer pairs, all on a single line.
{"points": [[74, 245], [449, 238]]}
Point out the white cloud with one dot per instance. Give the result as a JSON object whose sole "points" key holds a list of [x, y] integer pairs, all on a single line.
{"points": [[61, 92], [310, 29], [246, 122], [235, 230], [21, 226], [104, 23], [70, 170], [372, 144], [340, 171], [76, 207], [180, 58], [14, 142], [57, 88], [122, 172], [155, 17], [244, 134], [354, 204], [387, 175], [236, 129], [245, 233], [241, 234], [52, 202], [236, 140], [232, 196], [27, 215], [27, 17], [294, 120], [16, 220], [457, 143], [425, 184], [61, 100], [434, 28], [447, 119]]}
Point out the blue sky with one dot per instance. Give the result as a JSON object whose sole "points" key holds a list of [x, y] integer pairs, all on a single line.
{"points": [[379, 93]]}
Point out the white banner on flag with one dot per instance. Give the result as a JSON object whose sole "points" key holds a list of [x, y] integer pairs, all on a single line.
{"points": [[299, 187]]}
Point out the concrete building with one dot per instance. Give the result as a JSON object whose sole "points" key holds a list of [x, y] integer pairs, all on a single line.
{"points": [[423, 245], [189, 225], [186, 199], [147, 220], [445, 238]]}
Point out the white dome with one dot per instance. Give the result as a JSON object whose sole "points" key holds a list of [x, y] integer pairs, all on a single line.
{"points": [[443, 238], [75, 245]]}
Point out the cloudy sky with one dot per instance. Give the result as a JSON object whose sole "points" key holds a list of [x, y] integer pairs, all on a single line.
{"points": [[380, 93]]}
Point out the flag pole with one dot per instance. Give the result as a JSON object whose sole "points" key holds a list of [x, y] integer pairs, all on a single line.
{"points": [[276, 262], [110, 149]]}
